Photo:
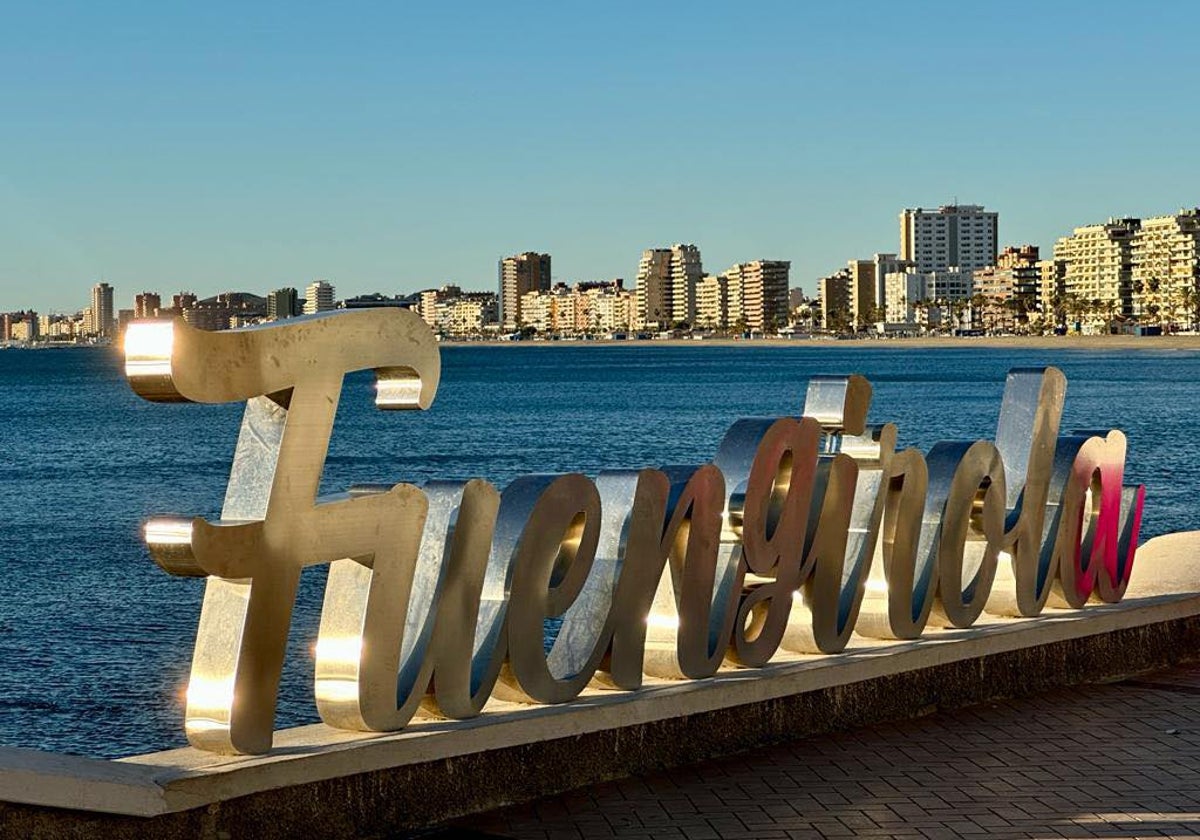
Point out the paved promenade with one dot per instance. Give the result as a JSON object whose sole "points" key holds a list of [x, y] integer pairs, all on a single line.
{"points": [[1117, 760]]}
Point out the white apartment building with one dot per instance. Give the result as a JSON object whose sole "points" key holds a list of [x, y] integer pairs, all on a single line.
{"points": [[886, 264], [906, 289], [949, 286], [318, 297], [963, 236], [537, 311]]}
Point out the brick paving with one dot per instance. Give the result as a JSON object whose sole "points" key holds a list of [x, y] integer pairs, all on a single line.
{"points": [[1115, 760]]}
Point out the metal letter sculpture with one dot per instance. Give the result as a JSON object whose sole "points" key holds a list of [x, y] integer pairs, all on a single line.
{"points": [[801, 531]]}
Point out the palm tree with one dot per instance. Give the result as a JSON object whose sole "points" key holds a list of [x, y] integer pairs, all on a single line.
{"points": [[1191, 298]]}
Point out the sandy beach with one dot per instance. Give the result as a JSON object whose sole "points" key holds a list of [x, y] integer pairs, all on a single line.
{"points": [[1069, 342]]}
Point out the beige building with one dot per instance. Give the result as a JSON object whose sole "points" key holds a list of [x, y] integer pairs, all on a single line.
{"points": [[1097, 270], [612, 310], [764, 293], [862, 292], [868, 285], [551, 311], [102, 321], [666, 286], [146, 304], [537, 311], [1051, 288], [519, 275], [585, 308], [712, 303], [430, 299], [467, 314], [1009, 289], [24, 330], [834, 293], [963, 236], [653, 290], [1165, 270]]}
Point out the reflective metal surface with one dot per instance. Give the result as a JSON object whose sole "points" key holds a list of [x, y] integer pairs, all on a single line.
{"points": [[801, 532]]}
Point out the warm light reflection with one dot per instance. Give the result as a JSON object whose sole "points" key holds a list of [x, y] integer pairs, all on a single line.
{"points": [[876, 586], [663, 621], [339, 650], [148, 348], [208, 695], [337, 690], [398, 388], [168, 532]]}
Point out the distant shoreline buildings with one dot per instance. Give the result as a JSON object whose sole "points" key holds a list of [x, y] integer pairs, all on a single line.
{"points": [[948, 275]]}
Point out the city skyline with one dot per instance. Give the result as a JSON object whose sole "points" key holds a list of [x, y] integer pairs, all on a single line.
{"points": [[226, 147], [810, 287]]}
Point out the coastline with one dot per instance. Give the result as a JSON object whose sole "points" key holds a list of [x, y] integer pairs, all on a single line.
{"points": [[1159, 343], [1022, 342]]}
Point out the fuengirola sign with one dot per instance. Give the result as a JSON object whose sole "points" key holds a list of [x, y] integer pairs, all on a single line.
{"points": [[800, 531]]}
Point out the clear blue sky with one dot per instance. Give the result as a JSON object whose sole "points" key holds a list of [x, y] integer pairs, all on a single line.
{"points": [[395, 146]]}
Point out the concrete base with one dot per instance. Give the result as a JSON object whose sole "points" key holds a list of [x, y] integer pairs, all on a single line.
{"points": [[324, 782]]}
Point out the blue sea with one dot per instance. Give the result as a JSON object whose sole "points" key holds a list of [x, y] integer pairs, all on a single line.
{"points": [[95, 640]]}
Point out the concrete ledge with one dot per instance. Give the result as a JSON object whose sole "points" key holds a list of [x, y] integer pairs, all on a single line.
{"points": [[327, 782]]}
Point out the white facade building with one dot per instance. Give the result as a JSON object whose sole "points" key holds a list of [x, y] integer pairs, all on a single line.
{"points": [[318, 297], [962, 236]]}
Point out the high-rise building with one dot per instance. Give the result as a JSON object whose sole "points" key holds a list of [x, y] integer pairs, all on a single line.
{"points": [[146, 305], [283, 303], [1098, 269], [1165, 270], [686, 273], [318, 297], [961, 236], [763, 288], [103, 323], [666, 285], [712, 303], [653, 290], [519, 275], [1051, 288], [862, 292]]}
